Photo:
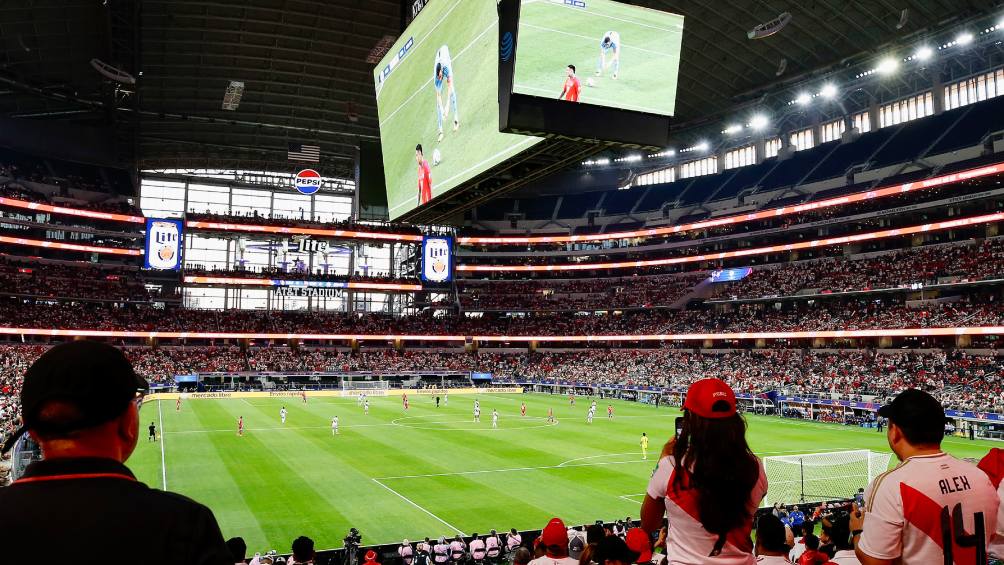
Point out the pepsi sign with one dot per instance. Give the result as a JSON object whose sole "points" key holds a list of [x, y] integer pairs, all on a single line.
{"points": [[308, 181], [163, 244]]}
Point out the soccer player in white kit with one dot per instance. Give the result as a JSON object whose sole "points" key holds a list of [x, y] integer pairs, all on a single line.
{"points": [[334, 426], [495, 418], [366, 407], [610, 44], [282, 414], [477, 414], [446, 399], [446, 93], [589, 415]]}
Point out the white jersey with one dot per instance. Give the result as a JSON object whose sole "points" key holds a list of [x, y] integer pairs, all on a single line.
{"points": [[477, 549], [687, 540], [902, 519], [334, 422], [772, 560], [443, 58], [282, 414]]}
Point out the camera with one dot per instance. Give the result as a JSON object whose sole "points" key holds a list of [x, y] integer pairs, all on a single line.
{"points": [[353, 538]]}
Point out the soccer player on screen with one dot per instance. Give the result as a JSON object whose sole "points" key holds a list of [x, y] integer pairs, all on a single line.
{"points": [[570, 92], [610, 45], [424, 176], [446, 94]]}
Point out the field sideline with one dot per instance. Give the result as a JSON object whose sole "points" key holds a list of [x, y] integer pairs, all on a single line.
{"points": [[428, 471]]}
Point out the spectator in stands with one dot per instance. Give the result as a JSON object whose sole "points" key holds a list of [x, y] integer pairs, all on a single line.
{"points": [[796, 519], [303, 551], [770, 541], [811, 555], [837, 541], [238, 550], [554, 540], [612, 550], [891, 527], [80, 402], [707, 481], [638, 542], [521, 556], [370, 558]]}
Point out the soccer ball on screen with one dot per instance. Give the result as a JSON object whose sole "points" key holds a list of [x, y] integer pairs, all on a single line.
{"points": [[590, 82], [437, 157]]}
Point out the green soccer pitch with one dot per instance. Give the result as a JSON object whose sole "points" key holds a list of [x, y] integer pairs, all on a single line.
{"points": [[553, 36], [428, 471]]}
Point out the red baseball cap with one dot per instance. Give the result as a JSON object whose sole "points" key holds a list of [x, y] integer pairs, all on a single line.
{"points": [[638, 542], [555, 533], [371, 555], [705, 393]]}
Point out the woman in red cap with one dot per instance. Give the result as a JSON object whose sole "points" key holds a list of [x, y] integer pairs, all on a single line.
{"points": [[708, 482], [371, 558]]}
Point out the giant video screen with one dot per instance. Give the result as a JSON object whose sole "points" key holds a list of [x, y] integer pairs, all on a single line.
{"points": [[437, 101], [599, 52]]}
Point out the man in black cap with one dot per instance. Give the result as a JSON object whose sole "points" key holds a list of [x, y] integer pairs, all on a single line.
{"points": [[80, 402], [907, 507]]}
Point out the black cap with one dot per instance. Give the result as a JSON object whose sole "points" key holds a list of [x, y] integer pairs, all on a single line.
{"points": [[919, 414], [95, 377], [614, 549]]}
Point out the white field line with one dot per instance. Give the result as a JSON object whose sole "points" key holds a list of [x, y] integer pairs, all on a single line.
{"points": [[632, 497], [416, 505], [163, 459]]}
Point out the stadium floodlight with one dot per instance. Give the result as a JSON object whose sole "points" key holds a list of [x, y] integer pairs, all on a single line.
{"points": [[887, 66], [829, 91], [964, 38], [804, 99], [702, 146], [758, 122], [731, 129], [924, 53], [633, 158], [603, 161]]}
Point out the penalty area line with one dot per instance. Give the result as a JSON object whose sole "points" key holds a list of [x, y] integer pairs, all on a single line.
{"points": [[423, 509]]}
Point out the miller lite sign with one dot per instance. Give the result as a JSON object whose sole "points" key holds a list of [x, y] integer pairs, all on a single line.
{"points": [[163, 244], [437, 259]]}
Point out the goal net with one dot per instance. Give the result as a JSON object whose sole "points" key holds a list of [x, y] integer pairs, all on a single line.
{"points": [[813, 477]]}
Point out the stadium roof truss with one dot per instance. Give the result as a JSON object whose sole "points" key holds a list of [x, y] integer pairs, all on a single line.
{"points": [[307, 79]]}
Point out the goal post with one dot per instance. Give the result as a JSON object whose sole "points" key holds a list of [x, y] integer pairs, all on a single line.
{"points": [[816, 477]]}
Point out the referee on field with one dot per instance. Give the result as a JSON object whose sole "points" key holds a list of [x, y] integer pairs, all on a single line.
{"points": [[80, 402]]}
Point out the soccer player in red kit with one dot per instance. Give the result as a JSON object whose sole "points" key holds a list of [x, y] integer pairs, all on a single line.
{"points": [[572, 85], [177, 405], [522, 409], [404, 399], [240, 426], [303, 395], [610, 411], [424, 176]]}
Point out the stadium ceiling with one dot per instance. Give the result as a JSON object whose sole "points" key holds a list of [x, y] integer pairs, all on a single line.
{"points": [[306, 66]]}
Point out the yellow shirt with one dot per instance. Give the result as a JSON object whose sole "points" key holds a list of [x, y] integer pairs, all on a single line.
{"points": [[644, 442]]}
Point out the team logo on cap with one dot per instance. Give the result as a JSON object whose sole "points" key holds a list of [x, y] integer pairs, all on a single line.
{"points": [[308, 181]]}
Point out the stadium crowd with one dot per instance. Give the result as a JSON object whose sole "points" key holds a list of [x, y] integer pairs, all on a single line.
{"points": [[78, 280], [299, 220], [971, 261], [293, 271], [817, 316], [572, 294]]}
